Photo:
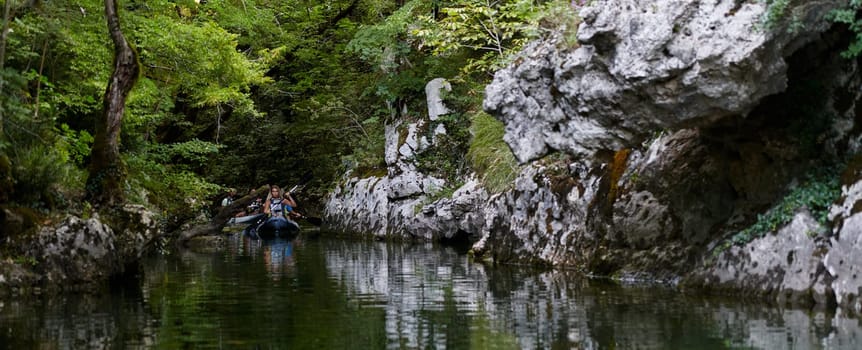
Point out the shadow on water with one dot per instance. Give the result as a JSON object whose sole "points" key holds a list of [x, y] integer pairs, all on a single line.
{"points": [[337, 294]]}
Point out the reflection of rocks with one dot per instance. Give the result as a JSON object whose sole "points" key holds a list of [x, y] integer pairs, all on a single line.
{"points": [[411, 281], [79, 322], [763, 328], [414, 284], [205, 244], [427, 297]]}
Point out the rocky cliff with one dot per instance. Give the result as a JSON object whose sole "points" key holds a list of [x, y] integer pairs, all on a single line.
{"points": [[682, 141]]}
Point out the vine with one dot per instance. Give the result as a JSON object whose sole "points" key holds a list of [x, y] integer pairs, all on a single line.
{"points": [[816, 194]]}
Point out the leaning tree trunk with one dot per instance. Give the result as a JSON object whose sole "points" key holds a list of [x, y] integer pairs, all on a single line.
{"points": [[107, 175]]}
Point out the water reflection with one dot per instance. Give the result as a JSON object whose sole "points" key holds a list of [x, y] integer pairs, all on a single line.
{"points": [[326, 293]]}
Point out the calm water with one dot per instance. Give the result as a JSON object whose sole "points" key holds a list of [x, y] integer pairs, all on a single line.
{"points": [[335, 294]]}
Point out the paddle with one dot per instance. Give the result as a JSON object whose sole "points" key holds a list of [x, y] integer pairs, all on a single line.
{"points": [[310, 219], [306, 177]]}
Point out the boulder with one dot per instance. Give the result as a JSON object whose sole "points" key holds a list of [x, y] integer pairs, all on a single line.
{"points": [[77, 253]]}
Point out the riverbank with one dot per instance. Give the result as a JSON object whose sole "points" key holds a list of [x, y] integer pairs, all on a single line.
{"points": [[74, 253]]}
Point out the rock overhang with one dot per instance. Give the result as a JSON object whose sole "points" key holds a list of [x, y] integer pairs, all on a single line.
{"points": [[643, 67]]}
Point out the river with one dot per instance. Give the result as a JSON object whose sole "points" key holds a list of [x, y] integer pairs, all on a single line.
{"points": [[326, 293]]}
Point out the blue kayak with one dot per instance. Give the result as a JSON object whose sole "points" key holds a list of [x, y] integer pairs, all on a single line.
{"points": [[274, 227]]}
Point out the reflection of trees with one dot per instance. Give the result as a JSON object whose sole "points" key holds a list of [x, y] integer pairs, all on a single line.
{"points": [[234, 301]]}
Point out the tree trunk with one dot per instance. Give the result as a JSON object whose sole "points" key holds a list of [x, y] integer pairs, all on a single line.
{"points": [[107, 174]]}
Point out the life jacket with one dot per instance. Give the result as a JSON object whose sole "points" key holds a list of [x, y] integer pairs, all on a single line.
{"points": [[275, 206]]}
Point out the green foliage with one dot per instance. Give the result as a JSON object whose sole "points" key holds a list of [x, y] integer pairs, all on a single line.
{"points": [[560, 16], [178, 193], [446, 159], [16, 122], [37, 171], [167, 177], [493, 30], [489, 155], [78, 144], [58, 61], [199, 60], [189, 154], [776, 10], [242, 92], [817, 194], [849, 15], [390, 35], [25, 260]]}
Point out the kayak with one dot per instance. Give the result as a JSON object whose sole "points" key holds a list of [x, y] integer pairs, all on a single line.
{"points": [[274, 227]]}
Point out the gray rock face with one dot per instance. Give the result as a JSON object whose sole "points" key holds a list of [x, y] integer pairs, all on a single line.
{"points": [[641, 219], [644, 66], [786, 264], [797, 264], [436, 108], [360, 205], [544, 219], [443, 219], [399, 204], [844, 259], [78, 253], [90, 240]]}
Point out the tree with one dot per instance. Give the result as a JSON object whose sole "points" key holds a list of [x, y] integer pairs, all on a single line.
{"points": [[492, 30], [107, 175]]}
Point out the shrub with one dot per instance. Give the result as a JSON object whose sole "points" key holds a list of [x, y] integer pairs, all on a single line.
{"points": [[39, 173], [178, 192]]}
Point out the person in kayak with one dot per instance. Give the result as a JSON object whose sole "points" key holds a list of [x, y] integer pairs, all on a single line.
{"points": [[277, 204]]}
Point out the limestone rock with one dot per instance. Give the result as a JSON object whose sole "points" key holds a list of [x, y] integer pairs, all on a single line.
{"points": [[786, 264], [644, 66], [359, 205], [452, 218], [844, 259], [641, 219], [391, 146], [78, 253], [436, 108]]}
